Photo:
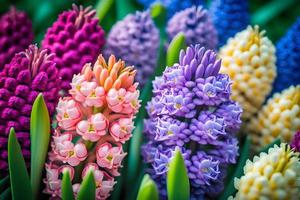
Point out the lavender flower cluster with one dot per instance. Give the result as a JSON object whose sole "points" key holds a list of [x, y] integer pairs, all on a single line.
{"points": [[136, 40], [191, 110]]}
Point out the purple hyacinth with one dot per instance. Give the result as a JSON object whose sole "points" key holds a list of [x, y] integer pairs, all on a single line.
{"points": [[192, 110], [135, 40], [295, 144], [29, 73], [196, 25], [76, 38], [15, 34]]}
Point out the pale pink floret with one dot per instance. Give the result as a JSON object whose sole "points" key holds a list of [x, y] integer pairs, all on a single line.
{"points": [[53, 178], [93, 128], [121, 129], [76, 86], [104, 182], [110, 157], [67, 152], [68, 113], [122, 101]]}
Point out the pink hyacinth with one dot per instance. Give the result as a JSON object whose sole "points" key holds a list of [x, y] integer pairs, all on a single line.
{"points": [[121, 129], [93, 128], [93, 124]]}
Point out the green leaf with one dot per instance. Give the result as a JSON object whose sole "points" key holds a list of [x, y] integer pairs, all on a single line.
{"points": [[4, 183], [66, 186], [19, 179], [159, 16], [39, 136], [244, 155], [124, 8], [103, 7], [266, 148], [6, 194], [175, 46], [178, 185], [269, 11], [148, 189], [87, 189], [135, 156]]}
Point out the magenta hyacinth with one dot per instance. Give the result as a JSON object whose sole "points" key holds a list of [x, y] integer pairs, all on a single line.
{"points": [[15, 34], [192, 110], [29, 73], [136, 40], [76, 38], [295, 144], [196, 25]]}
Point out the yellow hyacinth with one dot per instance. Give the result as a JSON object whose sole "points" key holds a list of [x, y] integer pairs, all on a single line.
{"points": [[249, 59], [273, 175], [279, 118]]}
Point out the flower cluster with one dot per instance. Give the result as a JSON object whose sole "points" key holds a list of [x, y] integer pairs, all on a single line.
{"points": [[249, 60], [295, 144], [229, 17], [172, 6], [15, 34], [136, 40], [196, 25], [288, 59], [280, 117], [272, 175], [93, 123], [29, 73], [191, 110], [76, 38]]}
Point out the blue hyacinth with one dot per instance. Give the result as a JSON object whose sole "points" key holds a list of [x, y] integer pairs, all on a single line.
{"points": [[288, 59], [229, 17], [172, 6]]}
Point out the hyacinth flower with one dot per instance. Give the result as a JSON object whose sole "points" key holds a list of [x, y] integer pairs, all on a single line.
{"points": [[229, 17], [192, 110], [288, 59], [15, 34], [76, 38], [135, 39], [172, 6], [295, 144], [249, 59], [29, 73], [271, 175], [93, 124], [279, 118], [196, 25]]}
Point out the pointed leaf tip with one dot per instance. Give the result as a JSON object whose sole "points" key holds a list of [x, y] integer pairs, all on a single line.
{"points": [[148, 189], [87, 189], [66, 186], [174, 49], [40, 137], [178, 185], [19, 178]]}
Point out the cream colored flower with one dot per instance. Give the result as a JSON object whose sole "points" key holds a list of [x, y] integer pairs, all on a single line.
{"points": [[249, 59], [280, 117], [273, 175]]}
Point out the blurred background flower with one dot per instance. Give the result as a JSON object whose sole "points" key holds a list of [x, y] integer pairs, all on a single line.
{"points": [[135, 39], [196, 25], [288, 59], [15, 34], [229, 17]]}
